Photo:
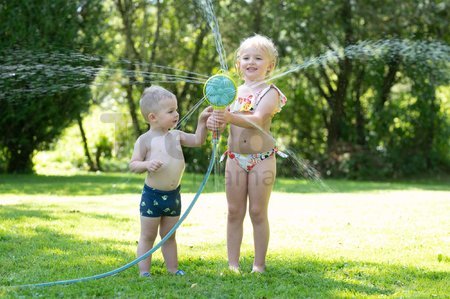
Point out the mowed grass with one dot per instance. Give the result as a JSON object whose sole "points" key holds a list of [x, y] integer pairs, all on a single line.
{"points": [[124, 183], [367, 243]]}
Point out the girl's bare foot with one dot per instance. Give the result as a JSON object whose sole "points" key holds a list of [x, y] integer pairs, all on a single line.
{"points": [[234, 269], [257, 269]]}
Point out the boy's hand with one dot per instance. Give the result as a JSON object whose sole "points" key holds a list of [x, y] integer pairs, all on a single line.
{"points": [[154, 165], [206, 113]]}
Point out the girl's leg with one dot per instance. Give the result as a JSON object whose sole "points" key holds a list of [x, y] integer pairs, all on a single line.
{"points": [[149, 231], [260, 183], [236, 190], [169, 248]]}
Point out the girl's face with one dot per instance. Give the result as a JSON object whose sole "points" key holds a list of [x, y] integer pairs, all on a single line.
{"points": [[254, 64]]}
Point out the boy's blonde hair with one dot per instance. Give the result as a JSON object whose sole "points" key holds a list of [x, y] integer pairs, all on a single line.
{"points": [[261, 42], [151, 99]]}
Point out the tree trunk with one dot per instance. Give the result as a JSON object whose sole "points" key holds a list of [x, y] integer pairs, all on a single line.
{"points": [[431, 129], [345, 66], [132, 106], [20, 160], [388, 81], [426, 122], [92, 166], [125, 8], [257, 21], [156, 35], [359, 113], [98, 154], [194, 60]]}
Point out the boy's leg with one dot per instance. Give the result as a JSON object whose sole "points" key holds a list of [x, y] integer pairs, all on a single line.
{"points": [[260, 182], [169, 248], [149, 231], [236, 190]]}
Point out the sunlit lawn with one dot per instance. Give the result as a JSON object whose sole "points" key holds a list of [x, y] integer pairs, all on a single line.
{"points": [[124, 183], [375, 240]]}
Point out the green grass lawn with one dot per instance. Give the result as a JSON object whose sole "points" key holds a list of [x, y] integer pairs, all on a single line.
{"points": [[361, 239], [124, 183]]}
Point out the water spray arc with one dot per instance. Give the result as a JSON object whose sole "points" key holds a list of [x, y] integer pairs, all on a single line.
{"points": [[412, 51]]}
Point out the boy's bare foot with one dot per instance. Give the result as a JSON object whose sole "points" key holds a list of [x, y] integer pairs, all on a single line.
{"points": [[177, 272]]}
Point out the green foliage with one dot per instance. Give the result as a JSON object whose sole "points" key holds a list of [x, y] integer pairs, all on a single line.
{"points": [[356, 118], [33, 46], [359, 116]]}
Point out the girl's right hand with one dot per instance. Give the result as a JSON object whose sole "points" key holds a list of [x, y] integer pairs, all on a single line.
{"points": [[154, 165], [216, 121]]}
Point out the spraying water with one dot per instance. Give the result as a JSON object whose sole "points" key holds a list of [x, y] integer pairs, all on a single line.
{"points": [[208, 12], [27, 72], [190, 113], [210, 16], [409, 51]]}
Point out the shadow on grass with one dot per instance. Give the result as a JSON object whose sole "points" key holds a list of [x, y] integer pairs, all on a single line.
{"points": [[87, 184], [37, 253], [123, 183]]}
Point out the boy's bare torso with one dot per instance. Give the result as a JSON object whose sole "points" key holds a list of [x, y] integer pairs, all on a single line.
{"points": [[167, 149]]}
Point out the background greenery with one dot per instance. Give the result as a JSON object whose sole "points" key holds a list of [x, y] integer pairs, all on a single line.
{"points": [[385, 116]]}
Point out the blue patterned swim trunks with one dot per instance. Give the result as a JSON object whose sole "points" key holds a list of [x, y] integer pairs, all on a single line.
{"points": [[157, 203]]}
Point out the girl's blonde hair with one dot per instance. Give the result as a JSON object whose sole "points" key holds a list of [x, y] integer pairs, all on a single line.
{"points": [[261, 42]]}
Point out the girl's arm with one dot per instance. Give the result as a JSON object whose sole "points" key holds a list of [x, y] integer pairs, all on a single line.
{"points": [[197, 139], [265, 112], [138, 163]]}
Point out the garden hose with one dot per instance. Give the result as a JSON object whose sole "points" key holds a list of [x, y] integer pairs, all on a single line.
{"points": [[148, 253]]}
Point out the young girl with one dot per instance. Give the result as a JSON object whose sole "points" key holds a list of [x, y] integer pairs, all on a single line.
{"points": [[251, 167]]}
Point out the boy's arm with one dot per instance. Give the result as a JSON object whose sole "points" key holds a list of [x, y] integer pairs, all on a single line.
{"points": [[138, 163], [197, 139]]}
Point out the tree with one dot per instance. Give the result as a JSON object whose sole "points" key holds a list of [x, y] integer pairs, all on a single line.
{"points": [[341, 111], [46, 81], [353, 93], [160, 42]]}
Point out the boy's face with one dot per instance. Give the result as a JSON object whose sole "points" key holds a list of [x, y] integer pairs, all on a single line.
{"points": [[167, 116], [254, 64]]}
